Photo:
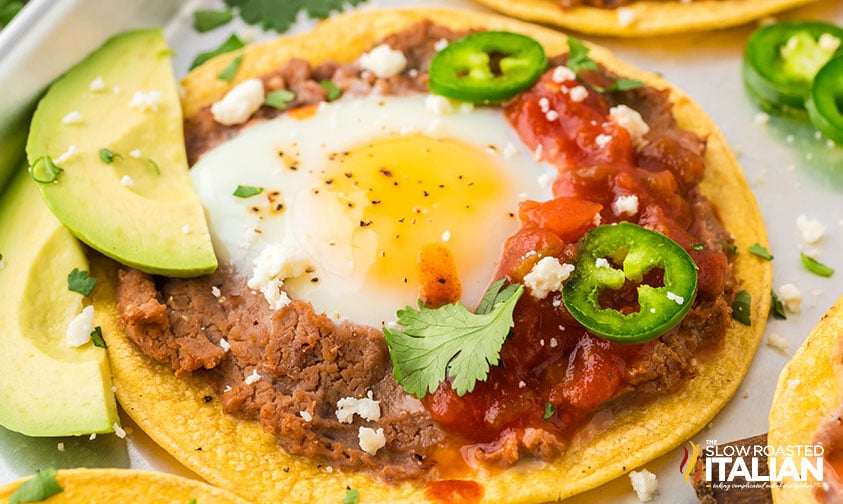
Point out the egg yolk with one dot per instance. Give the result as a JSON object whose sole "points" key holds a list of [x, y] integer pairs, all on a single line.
{"points": [[417, 190]]}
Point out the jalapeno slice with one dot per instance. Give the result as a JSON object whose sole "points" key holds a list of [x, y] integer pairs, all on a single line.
{"points": [[487, 67], [781, 60], [637, 251], [825, 100]]}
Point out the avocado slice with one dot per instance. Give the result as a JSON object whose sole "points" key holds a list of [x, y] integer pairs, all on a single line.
{"points": [[47, 388], [113, 125]]}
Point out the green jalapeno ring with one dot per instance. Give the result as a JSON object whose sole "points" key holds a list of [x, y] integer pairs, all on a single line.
{"points": [[487, 67], [639, 250], [825, 98], [777, 82]]}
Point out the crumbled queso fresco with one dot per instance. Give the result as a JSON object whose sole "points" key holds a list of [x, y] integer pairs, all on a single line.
{"points": [[645, 484]]}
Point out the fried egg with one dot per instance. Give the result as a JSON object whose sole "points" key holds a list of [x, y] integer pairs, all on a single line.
{"points": [[348, 193]]}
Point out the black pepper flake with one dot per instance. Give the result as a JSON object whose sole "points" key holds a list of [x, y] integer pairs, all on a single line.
{"points": [[426, 194], [286, 469], [405, 279], [441, 186], [511, 214], [207, 398], [199, 449], [385, 172], [279, 207], [348, 174], [329, 181], [294, 167], [401, 220], [418, 457], [395, 184], [376, 202], [441, 281], [349, 204], [315, 280], [365, 223], [255, 209]]}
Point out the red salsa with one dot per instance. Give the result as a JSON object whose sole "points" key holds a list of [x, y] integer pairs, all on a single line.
{"points": [[554, 374]]}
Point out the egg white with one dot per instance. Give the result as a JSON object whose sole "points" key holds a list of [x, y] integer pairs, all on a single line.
{"points": [[328, 233]]}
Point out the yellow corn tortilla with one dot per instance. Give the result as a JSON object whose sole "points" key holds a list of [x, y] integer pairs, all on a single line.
{"points": [[809, 390], [644, 18], [238, 456], [126, 486]]}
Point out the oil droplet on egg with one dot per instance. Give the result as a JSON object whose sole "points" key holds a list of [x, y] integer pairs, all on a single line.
{"points": [[416, 189]]}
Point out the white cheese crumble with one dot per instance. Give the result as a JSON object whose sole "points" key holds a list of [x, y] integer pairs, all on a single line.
{"points": [[252, 378], [238, 105], [791, 297], [225, 345], [675, 297], [127, 181], [547, 276], [440, 44], [216, 291], [629, 119], [74, 117], [510, 151], [562, 73], [579, 94], [71, 152], [439, 105], [371, 440], [828, 42], [551, 115], [777, 342], [383, 61], [762, 118], [810, 229], [135, 153], [146, 101], [625, 205], [645, 484], [80, 328], [60, 447], [601, 262], [544, 104], [367, 408], [275, 264], [626, 16], [119, 431], [185, 229], [602, 140], [307, 417], [97, 85], [446, 235]]}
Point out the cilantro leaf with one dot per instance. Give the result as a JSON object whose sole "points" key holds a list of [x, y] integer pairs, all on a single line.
{"points": [[232, 43], [97, 339], [549, 411], [495, 294], [107, 155], [815, 266], [245, 191], [279, 98], [579, 60], [449, 341], [761, 251], [280, 15], [742, 308], [776, 306], [230, 71], [81, 282], [40, 487], [352, 495], [332, 89], [206, 20]]}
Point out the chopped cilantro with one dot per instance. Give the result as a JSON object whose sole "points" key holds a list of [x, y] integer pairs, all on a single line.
{"points": [[549, 411], [760, 251], [97, 339], [45, 171], [245, 191], [776, 306], [232, 43], [155, 167], [352, 495], [730, 248], [39, 488], [815, 266], [579, 60], [205, 20], [742, 308], [698, 246], [81, 282], [279, 98], [450, 341], [230, 71], [107, 155], [192, 501], [279, 16], [333, 91], [8, 10]]}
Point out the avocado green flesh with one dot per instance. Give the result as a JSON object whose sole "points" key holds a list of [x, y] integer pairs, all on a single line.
{"points": [[140, 209], [47, 388]]}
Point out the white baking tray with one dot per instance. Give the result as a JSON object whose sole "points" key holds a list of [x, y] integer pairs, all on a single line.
{"points": [[790, 171]]}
